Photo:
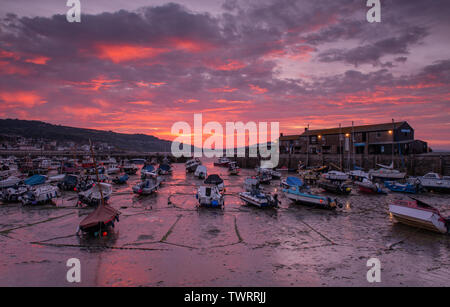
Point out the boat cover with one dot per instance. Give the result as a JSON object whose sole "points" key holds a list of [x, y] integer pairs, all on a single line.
{"points": [[103, 214], [35, 180], [165, 167], [294, 181], [214, 179]]}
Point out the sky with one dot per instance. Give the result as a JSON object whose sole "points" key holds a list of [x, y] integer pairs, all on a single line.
{"points": [[140, 66]]}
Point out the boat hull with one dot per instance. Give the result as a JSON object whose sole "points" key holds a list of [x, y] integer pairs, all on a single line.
{"points": [[421, 218], [311, 200]]}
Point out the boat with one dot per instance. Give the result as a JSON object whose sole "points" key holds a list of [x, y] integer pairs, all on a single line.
{"points": [[191, 165], [251, 183], [121, 180], [201, 172], [215, 179], [69, 183], [130, 169], [40, 195], [434, 182], [222, 161], [286, 169], [419, 214], [147, 186], [298, 194], [275, 174], [337, 187], [138, 161], [13, 194], [335, 176], [100, 221], [70, 168], [9, 182], [56, 178], [367, 186], [210, 196], [148, 171], [286, 183], [165, 169], [264, 177], [257, 197], [386, 172], [358, 175], [233, 168], [35, 180], [112, 169], [93, 196], [403, 187]]}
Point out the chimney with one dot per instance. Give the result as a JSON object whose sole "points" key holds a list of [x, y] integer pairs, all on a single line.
{"points": [[281, 134]]}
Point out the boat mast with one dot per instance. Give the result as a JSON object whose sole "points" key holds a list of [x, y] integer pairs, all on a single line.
{"points": [[96, 173]]}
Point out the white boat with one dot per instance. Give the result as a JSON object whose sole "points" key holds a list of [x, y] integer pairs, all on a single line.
{"points": [[253, 195], [298, 195], [419, 214], [93, 197], [210, 196], [40, 195], [147, 186], [10, 182], [251, 183], [358, 175], [222, 161], [433, 181], [14, 194], [130, 169], [335, 176], [273, 173], [201, 172], [112, 169], [56, 178], [191, 165], [215, 179], [386, 172]]}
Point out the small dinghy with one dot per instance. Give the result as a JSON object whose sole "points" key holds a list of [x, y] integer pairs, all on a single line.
{"points": [[298, 194], [130, 169], [434, 182], [233, 168], [165, 169], [336, 187], [201, 172], [121, 180], [10, 182], [367, 186], [403, 187], [148, 171], [223, 162], [39, 196], [147, 186], [419, 214], [191, 165], [210, 196], [258, 198], [335, 176], [93, 196], [215, 179]]}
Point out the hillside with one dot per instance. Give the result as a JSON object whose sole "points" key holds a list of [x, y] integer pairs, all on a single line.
{"points": [[122, 141]]}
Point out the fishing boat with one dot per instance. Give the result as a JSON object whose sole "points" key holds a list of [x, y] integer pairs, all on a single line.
{"points": [[94, 195], [358, 175], [387, 172], [201, 172], [165, 169], [264, 177], [337, 187], [369, 187], [69, 183], [335, 176], [215, 179], [275, 174], [233, 168], [286, 183], [121, 180], [222, 161], [403, 187], [434, 182], [102, 219], [299, 195], [148, 171], [257, 197], [147, 186], [210, 196], [9, 182], [191, 165], [419, 214], [40, 195], [130, 169]]}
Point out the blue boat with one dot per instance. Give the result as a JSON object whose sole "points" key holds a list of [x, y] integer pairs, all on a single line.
{"points": [[299, 194], [121, 180], [402, 187], [35, 180], [164, 169]]}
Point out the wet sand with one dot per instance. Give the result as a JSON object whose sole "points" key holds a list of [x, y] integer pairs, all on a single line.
{"points": [[163, 240]]}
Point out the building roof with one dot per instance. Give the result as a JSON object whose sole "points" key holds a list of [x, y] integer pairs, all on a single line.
{"points": [[290, 137], [364, 128]]}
